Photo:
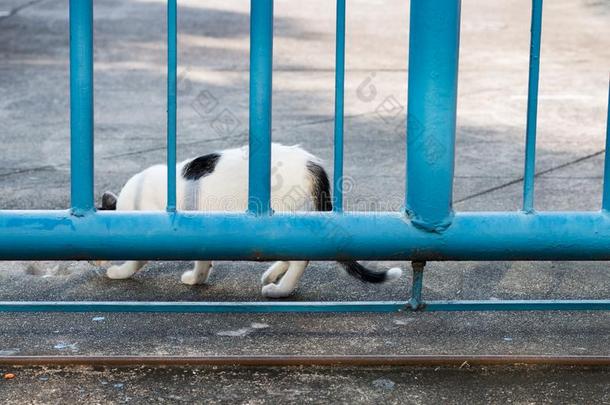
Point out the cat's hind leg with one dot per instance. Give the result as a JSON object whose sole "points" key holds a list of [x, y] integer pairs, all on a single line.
{"points": [[199, 274], [288, 283], [273, 273], [125, 270]]}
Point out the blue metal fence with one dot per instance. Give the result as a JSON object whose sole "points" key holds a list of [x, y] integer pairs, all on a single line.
{"points": [[428, 229]]}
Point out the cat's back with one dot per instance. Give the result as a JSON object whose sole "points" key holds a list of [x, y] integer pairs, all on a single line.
{"points": [[225, 186], [145, 191], [218, 181]]}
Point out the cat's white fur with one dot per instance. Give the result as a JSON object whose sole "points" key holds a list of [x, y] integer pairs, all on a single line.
{"points": [[226, 189]]}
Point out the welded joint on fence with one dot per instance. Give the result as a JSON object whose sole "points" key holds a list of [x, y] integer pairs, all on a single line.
{"points": [[78, 212], [426, 226], [415, 302]]}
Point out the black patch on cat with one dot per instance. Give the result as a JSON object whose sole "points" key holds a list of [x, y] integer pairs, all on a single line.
{"points": [[200, 167], [109, 200], [323, 202], [360, 272], [321, 187]]}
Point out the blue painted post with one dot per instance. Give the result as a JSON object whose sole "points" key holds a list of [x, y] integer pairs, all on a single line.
{"points": [[261, 66], [432, 101], [606, 196], [339, 110], [172, 62], [81, 106], [532, 107]]}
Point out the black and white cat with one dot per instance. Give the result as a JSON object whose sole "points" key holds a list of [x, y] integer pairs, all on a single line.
{"points": [[219, 182]]}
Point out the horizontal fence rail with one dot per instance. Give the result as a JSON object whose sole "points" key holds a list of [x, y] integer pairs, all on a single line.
{"points": [[59, 235], [427, 229]]}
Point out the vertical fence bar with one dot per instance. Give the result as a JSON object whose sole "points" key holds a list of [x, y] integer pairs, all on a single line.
{"points": [[431, 116], [339, 109], [261, 66], [172, 62], [81, 106], [418, 282], [606, 196], [532, 107]]}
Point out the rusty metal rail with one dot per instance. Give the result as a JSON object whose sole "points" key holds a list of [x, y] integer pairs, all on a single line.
{"points": [[280, 360]]}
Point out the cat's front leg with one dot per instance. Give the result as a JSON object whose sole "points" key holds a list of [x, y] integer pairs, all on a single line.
{"points": [[125, 270], [199, 274], [274, 273], [288, 283]]}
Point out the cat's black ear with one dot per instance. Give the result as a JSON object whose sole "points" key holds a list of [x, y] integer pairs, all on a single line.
{"points": [[109, 201]]}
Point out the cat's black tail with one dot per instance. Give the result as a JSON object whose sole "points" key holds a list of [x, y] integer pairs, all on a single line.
{"points": [[323, 202], [109, 200]]}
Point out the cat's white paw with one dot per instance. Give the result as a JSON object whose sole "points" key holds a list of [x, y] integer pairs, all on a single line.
{"points": [[118, 272], [274, 272], [98, 263], [393, 274], [191, 278], [274, 291], [268, 277]]}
